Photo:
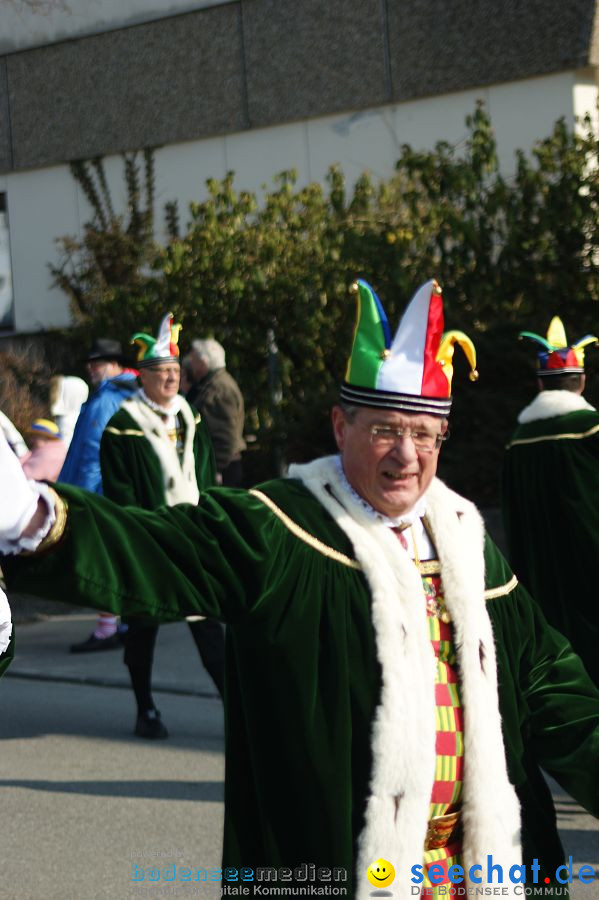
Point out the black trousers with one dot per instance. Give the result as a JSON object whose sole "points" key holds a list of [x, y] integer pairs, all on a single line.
{"points": [[140, 639]]}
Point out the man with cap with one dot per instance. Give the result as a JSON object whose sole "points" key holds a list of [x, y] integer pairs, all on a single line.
{"points": [[111, 383], [370, 625], [156, 451], [551, 493]]}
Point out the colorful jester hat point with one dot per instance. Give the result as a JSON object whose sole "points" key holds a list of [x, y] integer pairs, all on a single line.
{"points": [[557, 357], [153, 351], [411, 372]]}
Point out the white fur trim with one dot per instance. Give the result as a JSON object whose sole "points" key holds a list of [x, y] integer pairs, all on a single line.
{"points": [[403, 770], [549, 404], [180, 483]]}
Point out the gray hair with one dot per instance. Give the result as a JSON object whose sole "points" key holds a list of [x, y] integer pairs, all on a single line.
{"points": [[210, 351], [348, 410]]}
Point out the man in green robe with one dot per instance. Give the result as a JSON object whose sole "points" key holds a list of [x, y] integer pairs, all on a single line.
{"points": [[331, 691], [551, 495], [156, 451]]}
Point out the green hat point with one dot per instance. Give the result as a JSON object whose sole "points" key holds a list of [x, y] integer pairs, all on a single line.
{"points": [[537, 337], [372, 337]]}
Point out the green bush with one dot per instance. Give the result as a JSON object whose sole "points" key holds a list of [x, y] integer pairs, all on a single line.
{"points": [[510, 253]]}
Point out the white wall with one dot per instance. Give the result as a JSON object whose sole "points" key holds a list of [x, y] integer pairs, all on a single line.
{"points": [[42, 205], [25, 25], [586, 98], [46, 203]]}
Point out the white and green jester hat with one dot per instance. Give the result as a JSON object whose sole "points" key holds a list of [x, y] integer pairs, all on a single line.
{"points": [[411, 372], [557, 357], [153, 351]]}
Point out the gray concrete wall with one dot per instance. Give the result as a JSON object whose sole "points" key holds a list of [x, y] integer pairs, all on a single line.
{"points": [[5, 135], [439, 46], [261, 62]]}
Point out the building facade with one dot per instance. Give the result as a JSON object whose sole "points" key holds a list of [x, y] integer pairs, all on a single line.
{"points": [[257, 86]]}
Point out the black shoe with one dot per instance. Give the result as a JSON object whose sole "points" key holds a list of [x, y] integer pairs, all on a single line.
{"points": [[149, 725], [94, 643]]}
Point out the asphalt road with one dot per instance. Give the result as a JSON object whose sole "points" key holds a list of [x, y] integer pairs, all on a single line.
{"points": [[85, 806], [83, 801]]}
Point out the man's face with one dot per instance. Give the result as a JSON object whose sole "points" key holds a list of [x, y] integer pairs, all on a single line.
{"points": [[390, 477], [161, 382], [101, 369]]}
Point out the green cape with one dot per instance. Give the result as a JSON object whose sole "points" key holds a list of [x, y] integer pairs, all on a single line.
{"points": [[551, 516]]}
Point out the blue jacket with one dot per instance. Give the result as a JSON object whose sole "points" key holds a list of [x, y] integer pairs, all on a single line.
{"points": [[82, 465]]}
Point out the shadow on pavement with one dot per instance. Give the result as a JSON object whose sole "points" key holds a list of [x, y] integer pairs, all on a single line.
{"points": [[202, 791]]}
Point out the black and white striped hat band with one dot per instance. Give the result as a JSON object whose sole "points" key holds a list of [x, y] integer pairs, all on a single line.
{"points": [[361, 396], [569, 370], [146, 363]]}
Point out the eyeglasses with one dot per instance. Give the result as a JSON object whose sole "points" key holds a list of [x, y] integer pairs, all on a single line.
{"points": [[424, 441]]}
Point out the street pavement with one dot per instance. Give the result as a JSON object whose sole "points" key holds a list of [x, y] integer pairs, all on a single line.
{"points": [[87, 807]]}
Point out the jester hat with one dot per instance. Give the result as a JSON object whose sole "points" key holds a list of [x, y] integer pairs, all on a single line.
{"points": [[411, 372], [557, 357], [153, 351]]}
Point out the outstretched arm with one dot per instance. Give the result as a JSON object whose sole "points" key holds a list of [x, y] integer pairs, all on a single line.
{"points": [[212, 559], [26, 510]]}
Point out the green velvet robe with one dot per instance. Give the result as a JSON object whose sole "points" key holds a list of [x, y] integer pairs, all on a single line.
{"points": [[131, 471], [551, 515], [304, 672]]}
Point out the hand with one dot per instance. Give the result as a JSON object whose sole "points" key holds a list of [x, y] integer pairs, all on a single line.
{"points": [[18, 497], [5, 622]]}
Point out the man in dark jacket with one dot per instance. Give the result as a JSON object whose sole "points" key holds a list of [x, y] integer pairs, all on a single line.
{"points": [[112, 384], [216, 394]]}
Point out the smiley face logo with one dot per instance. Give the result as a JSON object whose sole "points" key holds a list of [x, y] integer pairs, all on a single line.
{"points": [[380, 873]]}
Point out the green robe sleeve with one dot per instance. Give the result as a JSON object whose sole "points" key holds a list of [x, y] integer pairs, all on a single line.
{"points": [[549, 710], [550, 704], [204, 455], [213, 559]]}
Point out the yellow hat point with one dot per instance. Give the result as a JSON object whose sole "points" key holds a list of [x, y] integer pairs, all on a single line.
{"points": [[556, 333], [436, 287], [386, 353], [445, 354], [353, 288]]}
